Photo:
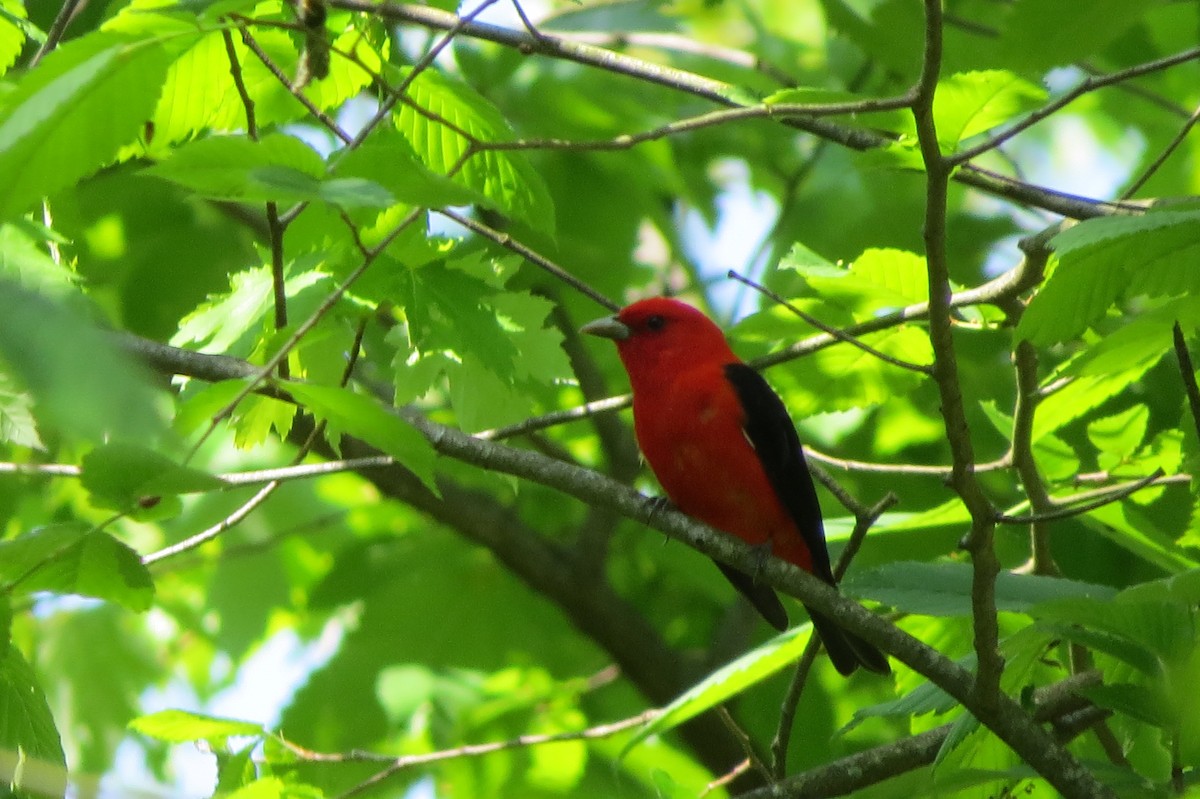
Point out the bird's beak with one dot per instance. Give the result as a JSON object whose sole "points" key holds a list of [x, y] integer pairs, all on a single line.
{"points": [[607, 327]]}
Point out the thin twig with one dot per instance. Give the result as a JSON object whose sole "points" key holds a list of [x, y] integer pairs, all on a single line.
{"points": [[725, 94], [399, 764], [1068, 511], [1089, 84], [203, 537], [274, 228], [980, 542], [316, 113], [66, 14], [744, 741], [1188, 373], [1157, 163], [537, 259], [1025, 363], [864, 519], [840, 335]]}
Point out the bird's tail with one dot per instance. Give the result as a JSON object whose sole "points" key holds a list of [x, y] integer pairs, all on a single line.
{"points": [[847, 650], [761, 596]]}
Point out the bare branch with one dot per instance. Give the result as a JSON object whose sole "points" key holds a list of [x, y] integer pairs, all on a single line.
{"points": [[1025, 362], [204, 536], [840, 335], [532, 256], [864, 519], [405, 762], [986, 565], [1188, 374], [727, 95], [1106, 498], [1000, 713], [1089, 84]]}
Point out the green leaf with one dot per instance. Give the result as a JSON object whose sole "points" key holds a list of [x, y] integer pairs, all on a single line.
{"points": [[387, 158], [727, 681], [16, 417], [1118, 436], [26, 725], [121, 475], [25, 261], [220, 167], [1144, 632], [71, 114], [492, 346], [256, 417], [1083, 394], [944, 589], [507, 180], [199, 93], [1117, 646], [843, 376], [1126, 525], [1184, 588], [1142, 340], [878, 279], [365, 418], [73, 559], [226, 320], [59, 358], [14, 27], [263, 788], [971, 103], [181, 726], [1136, 701], [925, 698], [951, 513], [1102, 260], [1047, 33]]}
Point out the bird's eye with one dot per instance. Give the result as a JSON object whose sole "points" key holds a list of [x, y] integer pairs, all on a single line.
{"points": [[656, 322]]}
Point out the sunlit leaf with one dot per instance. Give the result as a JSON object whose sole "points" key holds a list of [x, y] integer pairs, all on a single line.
{"points": [[120, 475], [971, 103], [26, 725], [944, 589], [180, 726], [729, 680], [506, 179], [69, 116], [365, 418], [1102, 260], [73, 559], [55, 354]]}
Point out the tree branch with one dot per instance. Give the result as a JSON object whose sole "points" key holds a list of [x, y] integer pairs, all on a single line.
{"points": [[945, 370], [723, 94], [1001, 714]]}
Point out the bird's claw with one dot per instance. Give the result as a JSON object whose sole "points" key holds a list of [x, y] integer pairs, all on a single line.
{"points": [[660, 504], [657, 506], [762, 553]]}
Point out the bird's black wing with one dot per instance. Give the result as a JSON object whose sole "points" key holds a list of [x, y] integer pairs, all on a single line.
{"points": [[773, 436], [771, 433]]}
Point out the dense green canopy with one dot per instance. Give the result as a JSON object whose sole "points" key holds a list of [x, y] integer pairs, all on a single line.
{"points": [[303, 458]]}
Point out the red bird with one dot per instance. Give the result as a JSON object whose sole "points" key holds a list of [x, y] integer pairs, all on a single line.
{"points": [[723, 447]]}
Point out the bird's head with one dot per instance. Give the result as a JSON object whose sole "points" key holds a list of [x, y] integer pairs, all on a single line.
{"points": [[661, 336]]}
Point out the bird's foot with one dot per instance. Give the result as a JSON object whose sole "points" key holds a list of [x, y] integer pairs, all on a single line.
{"points": [[657, 506], [762, 553]]}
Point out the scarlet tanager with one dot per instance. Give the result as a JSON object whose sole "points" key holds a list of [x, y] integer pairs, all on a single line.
{"points": [[722, 445]]}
